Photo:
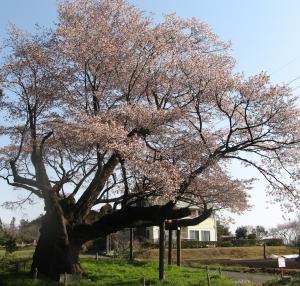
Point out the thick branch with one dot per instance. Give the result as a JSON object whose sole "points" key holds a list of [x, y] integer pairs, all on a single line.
{"points": [[175, 223], [87, 200], [129, 217]]}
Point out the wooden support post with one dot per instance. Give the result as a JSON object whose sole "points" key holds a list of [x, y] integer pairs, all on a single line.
{"points": [[65, 279], [107, 244], [178, 246], [265, 256], [161, 250], [131, 243], [35, 273], [208, 279], [170, 247]]}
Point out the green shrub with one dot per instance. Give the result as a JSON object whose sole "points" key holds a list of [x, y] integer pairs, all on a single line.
{"points": [[273, 242], [225, 244], [9, 242], [244, 242], [189, 243]]}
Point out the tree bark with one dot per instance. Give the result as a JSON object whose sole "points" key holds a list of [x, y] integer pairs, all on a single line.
{"points": [[54, 254]]}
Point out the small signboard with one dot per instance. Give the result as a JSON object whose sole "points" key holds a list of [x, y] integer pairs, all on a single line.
{"points": [[281, 262]]}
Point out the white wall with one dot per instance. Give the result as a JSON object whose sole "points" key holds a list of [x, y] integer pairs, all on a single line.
{"points": [[209, 224]]}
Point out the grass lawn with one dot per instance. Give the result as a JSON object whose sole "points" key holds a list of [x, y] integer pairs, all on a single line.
{"points": [[27, 252], [116, 272]]}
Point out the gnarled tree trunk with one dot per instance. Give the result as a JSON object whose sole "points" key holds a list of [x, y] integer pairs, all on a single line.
{"points": [[55, 253]]}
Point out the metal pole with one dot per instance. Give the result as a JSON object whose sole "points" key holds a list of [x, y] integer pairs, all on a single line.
{"points": [[131, 243], [161, 250], [178, 246], [170, 247]]}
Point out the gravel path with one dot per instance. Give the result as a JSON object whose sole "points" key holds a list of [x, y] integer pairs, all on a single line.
{"points": [[246, 277]]}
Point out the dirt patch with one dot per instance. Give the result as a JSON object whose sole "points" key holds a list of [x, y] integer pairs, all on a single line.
{"points": [[251, 252]]}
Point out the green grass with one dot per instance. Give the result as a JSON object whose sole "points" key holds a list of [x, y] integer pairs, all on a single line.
{"points": [[120, 272], [291, 281], [27, 252]]}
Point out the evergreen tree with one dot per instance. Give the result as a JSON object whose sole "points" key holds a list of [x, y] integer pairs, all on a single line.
{"points": [[1, 226]]}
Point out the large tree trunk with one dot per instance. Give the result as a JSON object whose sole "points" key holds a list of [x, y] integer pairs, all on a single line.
{"points": [[54, 254]]}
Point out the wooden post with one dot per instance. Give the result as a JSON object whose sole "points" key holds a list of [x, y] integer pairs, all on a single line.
{"points": [[131, 243], [208, 279], [97, 256], [281, 273], [107, 244], [65, 279], [265, 256], [161, 250], [178, 246], [220, 272], [170, 247], [35, 273]]}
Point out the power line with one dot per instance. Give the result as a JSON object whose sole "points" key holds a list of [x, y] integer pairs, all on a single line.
{"points": [[293, 80], [285, 65], [296, 87]]}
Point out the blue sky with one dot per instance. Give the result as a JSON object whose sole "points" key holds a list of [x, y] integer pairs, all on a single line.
{"points": [[264, 35]]}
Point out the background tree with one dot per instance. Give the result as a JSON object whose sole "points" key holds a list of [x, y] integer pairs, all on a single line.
{"points": [[260, 232], [241, 232], [1, 226], [110, 108], [12, 226], [222, 230], [28, 232], [289, 232]]}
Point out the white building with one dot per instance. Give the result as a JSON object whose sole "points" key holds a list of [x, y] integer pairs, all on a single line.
{"points": [[204, 231]]}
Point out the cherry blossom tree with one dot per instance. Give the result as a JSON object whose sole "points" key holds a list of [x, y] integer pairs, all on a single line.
{"points": [[110, 108]]}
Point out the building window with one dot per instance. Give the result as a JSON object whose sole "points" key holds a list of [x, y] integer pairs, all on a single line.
{"points": [[194, 234], [205, 235]]}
